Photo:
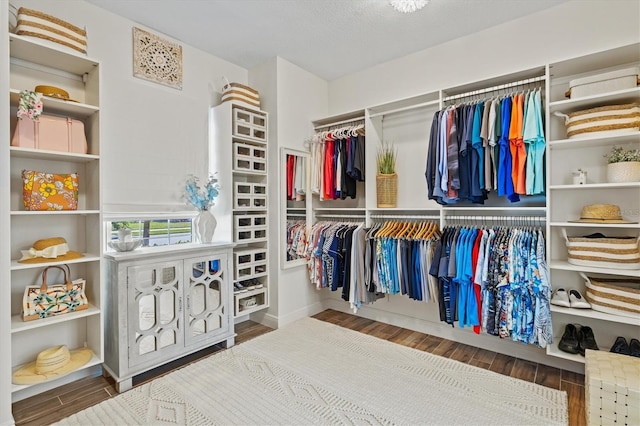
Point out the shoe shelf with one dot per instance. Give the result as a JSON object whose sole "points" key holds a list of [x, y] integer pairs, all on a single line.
{"points": [[597, 315], [552, 350], [566, 266], [250, 301]]}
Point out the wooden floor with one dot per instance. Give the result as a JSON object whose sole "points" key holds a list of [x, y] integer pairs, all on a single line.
{"points": [[62, 402]]}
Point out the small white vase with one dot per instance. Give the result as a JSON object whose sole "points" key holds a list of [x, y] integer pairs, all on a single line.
{"points": [[204, 226], [625, 171]]}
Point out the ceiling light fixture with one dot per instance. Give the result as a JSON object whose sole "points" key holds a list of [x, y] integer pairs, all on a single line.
{"points": [[408, 6]]}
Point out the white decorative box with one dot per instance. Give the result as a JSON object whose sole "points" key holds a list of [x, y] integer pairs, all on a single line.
{"points": [[612, 388], [603, 83]]}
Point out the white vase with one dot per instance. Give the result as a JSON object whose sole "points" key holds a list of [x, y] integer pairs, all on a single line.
{"points": [[204, 226], [626, 171]]}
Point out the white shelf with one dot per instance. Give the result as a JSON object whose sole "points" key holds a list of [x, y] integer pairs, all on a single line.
{"points": [[596, 315], [60, 107], [246, 139], [596, 140], [43, 154], [406, 209], [595, 225], [619, 96], [566, 266], [339, 209], [34, 51], [92, 362], [18, 324], [54, 212], [552, 350], [87, 258], [597, 186], [510, 209], [248, 173]]}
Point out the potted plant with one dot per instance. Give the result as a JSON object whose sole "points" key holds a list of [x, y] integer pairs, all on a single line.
{"points": [[623, 166], [386, 179]]}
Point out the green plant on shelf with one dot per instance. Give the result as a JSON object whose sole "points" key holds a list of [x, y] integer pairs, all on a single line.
{"points": [[386, 158]]}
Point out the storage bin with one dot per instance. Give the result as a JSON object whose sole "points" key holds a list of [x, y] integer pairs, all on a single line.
{"points": [[239, 93], [602, 83], [33, 23], [600, 121], [618, 296], [249, 158], [598, 250], [612, 388], [250, 264]]}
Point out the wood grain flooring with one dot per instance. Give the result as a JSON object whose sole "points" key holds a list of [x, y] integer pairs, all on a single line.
{"points": [[59, 403]]}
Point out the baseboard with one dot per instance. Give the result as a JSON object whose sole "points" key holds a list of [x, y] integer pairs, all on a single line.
{"points": [[274, 321], [466, 335]]}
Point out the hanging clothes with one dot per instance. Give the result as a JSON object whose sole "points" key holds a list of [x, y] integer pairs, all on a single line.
{"points": [[495, 280], [489, 145], [296, 238]]}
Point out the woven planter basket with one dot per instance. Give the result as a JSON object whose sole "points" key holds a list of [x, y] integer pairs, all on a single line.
{"points": [[387, 190]]}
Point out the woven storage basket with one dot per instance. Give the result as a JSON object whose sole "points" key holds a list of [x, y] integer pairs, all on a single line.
{"points": [[595, 121], [619, 296], [33, 23], [387, 190], [604, 252], [238, 93]]}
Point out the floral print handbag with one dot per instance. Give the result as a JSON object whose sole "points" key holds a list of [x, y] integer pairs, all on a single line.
{"points": [[47, 300], [49, 191]]}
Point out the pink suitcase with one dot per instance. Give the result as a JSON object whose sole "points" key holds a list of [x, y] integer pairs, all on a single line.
{"points": [[51, 133]]}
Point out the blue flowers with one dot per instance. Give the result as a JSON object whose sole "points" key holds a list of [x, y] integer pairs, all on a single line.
{"points": [[201, 198]]}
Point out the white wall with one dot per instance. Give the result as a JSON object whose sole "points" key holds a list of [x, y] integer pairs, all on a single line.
{"points": [[570, 29], [294, 97], [153, 136], [302, 97]]}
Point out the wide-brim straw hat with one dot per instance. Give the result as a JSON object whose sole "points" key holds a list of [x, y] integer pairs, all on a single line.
{"points": [[54, 249], [601, 213], [54, 92], [51, 364]]}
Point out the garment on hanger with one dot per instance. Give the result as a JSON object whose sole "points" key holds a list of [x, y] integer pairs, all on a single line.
{"points": [[337, 162], [488, 145], [494, 280], [296, 239]]}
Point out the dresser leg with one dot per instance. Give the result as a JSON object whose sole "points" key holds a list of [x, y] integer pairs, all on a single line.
{"points": [[124, 385]]}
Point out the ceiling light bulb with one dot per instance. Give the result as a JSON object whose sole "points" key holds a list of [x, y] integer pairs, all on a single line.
{"points": [[408, 6]]}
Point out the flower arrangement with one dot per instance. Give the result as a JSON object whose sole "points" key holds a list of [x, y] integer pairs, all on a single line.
{"points": [[619, 155], [29, 105], [201, 198], [386, 158]]}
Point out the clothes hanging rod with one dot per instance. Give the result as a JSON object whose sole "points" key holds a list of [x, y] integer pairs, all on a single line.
{"points": [[498, 218], [495, 88], [403, 216], [353, 120], [407, 108], [342, 216]]}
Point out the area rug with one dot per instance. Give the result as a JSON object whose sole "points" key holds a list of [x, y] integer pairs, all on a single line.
{"points": [[312, 372]]}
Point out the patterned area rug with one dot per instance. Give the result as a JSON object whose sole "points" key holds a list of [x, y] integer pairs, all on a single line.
{"points": [[313, 372]]}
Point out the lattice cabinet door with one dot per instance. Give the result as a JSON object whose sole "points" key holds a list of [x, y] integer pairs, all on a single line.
{"points": [[206, 291], [155, 311]]}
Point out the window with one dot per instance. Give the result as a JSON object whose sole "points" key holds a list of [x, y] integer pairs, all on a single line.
{"points": [[154, 233]]}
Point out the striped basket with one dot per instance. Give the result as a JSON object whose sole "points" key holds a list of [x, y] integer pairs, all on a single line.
{"points": [[33, 23], [238, 93], [618, 296], [604, 252], [606, 119]]}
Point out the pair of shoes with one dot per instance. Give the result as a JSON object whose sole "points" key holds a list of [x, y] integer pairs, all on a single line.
{"points": [[577, 339], [622, 347], [238, 288], [251, 284], [571, 299]]}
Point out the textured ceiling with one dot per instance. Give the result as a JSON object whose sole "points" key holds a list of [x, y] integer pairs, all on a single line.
{"points": [[329, 38]]}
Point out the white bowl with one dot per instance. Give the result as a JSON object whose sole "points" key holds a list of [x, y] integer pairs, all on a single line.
{"points": [[125, 245]]}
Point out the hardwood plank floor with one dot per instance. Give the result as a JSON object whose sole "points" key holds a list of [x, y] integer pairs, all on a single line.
{"points": [[64, 401]]}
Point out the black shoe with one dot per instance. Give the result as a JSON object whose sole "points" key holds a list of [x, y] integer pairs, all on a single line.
{"points": [[569, 341], [586, 340], [621, 347], [634, 347]]}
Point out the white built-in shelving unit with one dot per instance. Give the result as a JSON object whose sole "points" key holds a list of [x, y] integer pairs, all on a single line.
{"points": [[34, 63]]}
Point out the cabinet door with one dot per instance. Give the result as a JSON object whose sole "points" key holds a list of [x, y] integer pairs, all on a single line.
{"points": [[206, 313], [154, 312]]}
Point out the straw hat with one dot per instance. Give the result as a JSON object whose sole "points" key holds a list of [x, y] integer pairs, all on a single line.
{"points": [[53, 249], [601, 213], [51, 364], [54, 92]]}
